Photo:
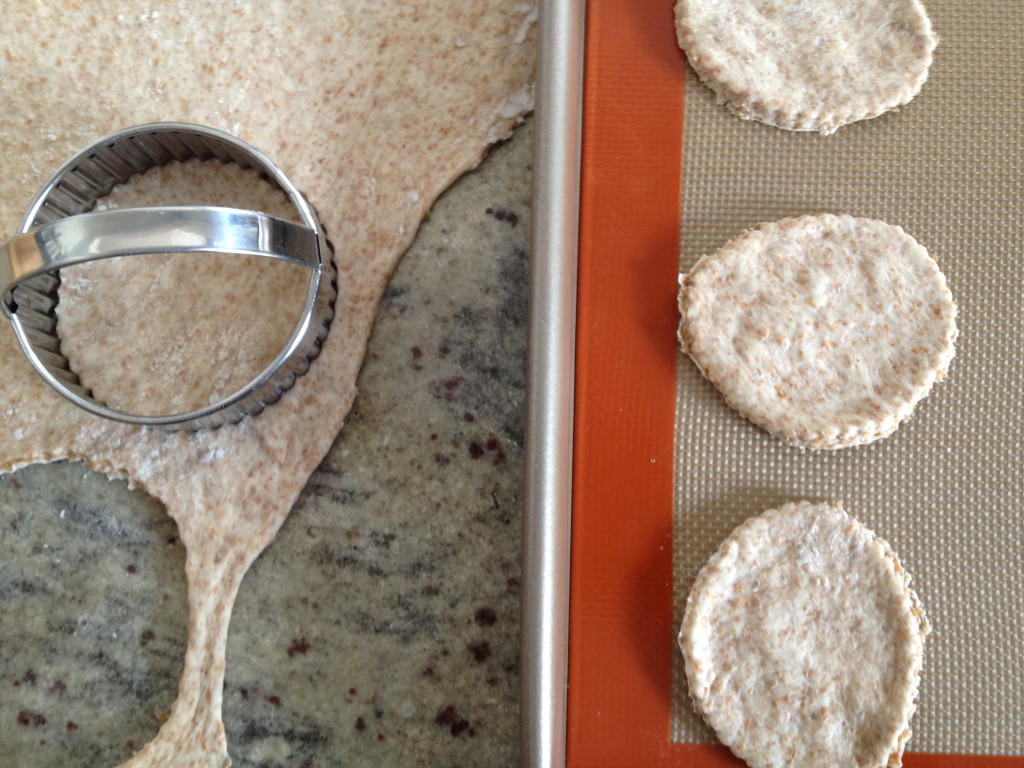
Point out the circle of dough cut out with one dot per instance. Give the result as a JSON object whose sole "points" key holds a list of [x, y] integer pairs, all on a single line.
{"points": [[823, 330], [808, 66], [803, 642]]}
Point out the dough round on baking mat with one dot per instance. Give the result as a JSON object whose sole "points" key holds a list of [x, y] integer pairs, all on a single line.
{"points": [[824, 330], [808, 66], [803, 642]]}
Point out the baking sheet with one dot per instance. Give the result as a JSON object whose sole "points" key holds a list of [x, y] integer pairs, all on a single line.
{"points": [[947, 490], [547, 488], [663, 470]]}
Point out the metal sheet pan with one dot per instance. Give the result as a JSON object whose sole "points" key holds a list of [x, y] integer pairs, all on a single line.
{"points": [[613, 462], [549, 407]]}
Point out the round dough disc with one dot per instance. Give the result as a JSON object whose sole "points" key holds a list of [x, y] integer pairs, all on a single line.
{"points": [[803, 642], [808, 66], [824, 330]]}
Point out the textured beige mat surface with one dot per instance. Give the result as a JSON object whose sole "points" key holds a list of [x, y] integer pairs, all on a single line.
{"points": [[946, 489]]}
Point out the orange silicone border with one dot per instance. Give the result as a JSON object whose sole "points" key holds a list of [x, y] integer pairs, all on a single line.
{"points": [[621, 637]]}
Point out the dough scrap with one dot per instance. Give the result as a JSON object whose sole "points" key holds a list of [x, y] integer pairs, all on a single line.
{"points": [[804, 642], [823, 330], [371, 109], [808, 66]]}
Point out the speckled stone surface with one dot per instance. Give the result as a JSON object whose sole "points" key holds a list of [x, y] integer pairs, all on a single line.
{"points": [[381, 626]]}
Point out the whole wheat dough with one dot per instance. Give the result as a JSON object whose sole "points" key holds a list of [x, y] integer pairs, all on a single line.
{"points": [[824, 330], [808, 66], [804, 642], [371, 108]]}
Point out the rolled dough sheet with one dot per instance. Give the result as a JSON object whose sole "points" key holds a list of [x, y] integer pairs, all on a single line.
{"points": [[372, 109]]}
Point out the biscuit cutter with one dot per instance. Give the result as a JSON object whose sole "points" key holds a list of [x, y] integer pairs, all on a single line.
{"points": [[59, 230]]}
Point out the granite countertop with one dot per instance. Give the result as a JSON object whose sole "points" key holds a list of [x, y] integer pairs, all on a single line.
{"points": [[381, 626]]}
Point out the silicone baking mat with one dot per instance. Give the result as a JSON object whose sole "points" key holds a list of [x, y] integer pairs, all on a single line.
{"points": [[664, 470]]}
